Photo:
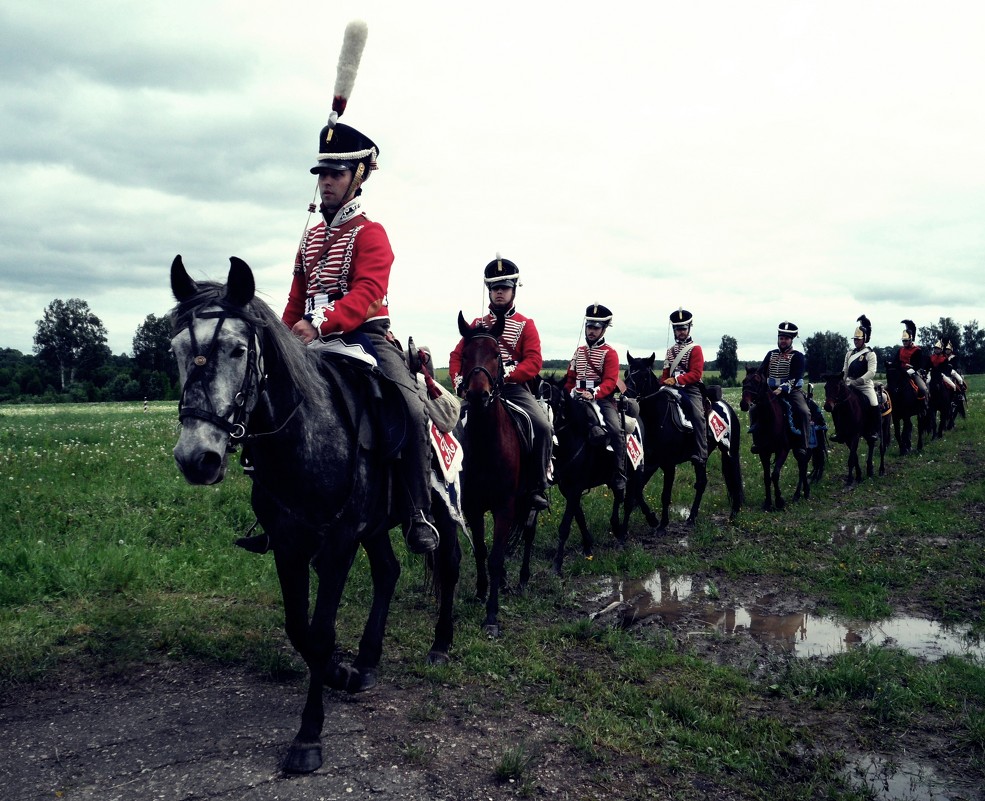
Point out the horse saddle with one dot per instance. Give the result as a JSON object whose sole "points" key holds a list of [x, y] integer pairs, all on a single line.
{"points": [[677, 416], [524, 425], [373, 404]]}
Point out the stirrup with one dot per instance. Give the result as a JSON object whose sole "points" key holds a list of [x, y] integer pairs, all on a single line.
{"points": [[421, 536]]}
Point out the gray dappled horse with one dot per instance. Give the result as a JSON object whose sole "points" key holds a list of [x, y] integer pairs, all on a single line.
{"points": [[317, 492]]}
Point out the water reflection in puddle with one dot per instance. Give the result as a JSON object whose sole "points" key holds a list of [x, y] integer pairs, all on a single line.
{"points": [[677, 599], [891, 780]]}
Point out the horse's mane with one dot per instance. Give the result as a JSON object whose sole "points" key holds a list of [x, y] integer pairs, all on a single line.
{"points": [[300, 366]]}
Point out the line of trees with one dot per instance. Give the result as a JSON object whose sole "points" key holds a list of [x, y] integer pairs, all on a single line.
{"points": [[72, 362]]}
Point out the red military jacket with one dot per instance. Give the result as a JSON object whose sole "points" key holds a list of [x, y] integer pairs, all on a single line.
{"points": [[341, 273], [595, 368], [910, 356], [519, 345], [690, 369]]}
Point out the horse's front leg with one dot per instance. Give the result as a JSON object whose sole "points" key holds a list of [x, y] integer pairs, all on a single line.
{"points": [[564, 530], [869, 460], [447, 567], [669, 471], [618, 501], [529, 531], [502, 523], [587, 541], [315, 641], [779, 502], [764, 460], [700, 482], [477, 528], [385, 570]]}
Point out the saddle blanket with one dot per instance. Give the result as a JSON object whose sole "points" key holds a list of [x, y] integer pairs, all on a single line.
{"points": [[634, 447], [449, 452]]}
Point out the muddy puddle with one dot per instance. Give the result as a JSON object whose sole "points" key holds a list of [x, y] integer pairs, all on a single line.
{"points": [[682, 601], [900, 780]]}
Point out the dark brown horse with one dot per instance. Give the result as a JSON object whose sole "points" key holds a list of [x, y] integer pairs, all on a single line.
{"points": [[943, 407], [773, 439], [492, 476], [847, 408], [580, 465], [907, 405], [318, 494]]}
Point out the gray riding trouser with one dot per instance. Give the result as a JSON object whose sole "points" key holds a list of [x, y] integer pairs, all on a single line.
{"points": [[415, 470]]}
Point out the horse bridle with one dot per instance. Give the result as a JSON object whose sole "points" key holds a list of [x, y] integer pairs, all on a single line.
{"points": [[495, 381], [631, 384], [233, 420]]}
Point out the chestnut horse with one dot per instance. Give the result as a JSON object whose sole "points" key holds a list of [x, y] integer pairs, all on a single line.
{"points": [[492, 476]]}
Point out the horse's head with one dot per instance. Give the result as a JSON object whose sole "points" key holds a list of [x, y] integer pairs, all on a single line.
{"points": [[482, 364], [641, 381], [753, 386], [216, 343], [835, 390]]}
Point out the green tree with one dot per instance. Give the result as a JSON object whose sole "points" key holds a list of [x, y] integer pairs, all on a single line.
{"points": [[972, 348], [728, 359], [824, 353], [152, 346], [70, 336], [945, 328]]}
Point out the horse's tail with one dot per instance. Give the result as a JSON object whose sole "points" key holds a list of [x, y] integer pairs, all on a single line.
{"points": [[731, 465]]}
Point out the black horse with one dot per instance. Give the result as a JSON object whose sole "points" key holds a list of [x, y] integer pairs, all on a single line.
{"points": [[580, 465], [319, 489], [943, 407], [907, 405], [493, 476], [773, 439], [666, 444], [848, 409]]}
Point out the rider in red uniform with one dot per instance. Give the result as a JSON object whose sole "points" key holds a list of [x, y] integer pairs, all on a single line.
{"points": [[593, 375], [684, 367], [341, 277], [910, 358], [519, 346]]}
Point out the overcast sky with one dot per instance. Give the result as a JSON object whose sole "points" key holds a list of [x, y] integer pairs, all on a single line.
{"points": [[752, 162]]}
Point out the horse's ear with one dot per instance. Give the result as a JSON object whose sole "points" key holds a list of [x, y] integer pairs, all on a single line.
{"points": [[182, 286], [240, 286], [629, 357], [498, 327], [651, 358], [463, 327]]}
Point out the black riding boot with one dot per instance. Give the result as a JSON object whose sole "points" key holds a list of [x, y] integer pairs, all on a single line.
{"points": [[872, 420]]}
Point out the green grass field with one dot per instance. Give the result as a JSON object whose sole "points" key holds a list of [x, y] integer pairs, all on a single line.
{"points": [[108, 558]]}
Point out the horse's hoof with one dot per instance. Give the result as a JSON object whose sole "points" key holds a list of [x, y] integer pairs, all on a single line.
{"points": [[556, 569], [491, 630], [589, 556], [438, 657], [366, 681], [303, 757]]}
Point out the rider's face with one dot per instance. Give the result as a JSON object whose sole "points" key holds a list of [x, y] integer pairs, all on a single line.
{"points": [[681, 332], [593, 332], [784, 341], [332, 186], [501, 297]]}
